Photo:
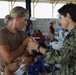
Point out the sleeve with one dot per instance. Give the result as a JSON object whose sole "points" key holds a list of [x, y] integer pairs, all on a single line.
{"points": [[62, 55], [3, 39], [53, 56]]}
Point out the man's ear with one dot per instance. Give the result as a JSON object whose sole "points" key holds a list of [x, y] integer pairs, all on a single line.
{"points": [[68, 16]]}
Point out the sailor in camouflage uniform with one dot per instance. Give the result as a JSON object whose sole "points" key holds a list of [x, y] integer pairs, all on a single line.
{"points": [[66, 56]]}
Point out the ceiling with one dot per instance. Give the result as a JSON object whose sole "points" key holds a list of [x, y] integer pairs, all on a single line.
{"points": [[51, 1]]}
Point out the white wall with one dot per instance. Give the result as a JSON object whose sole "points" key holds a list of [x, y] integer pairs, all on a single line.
{"points": [[39, 24], [2, 24], [43, 24]]}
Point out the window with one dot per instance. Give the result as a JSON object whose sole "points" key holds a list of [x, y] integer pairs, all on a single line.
{"points": [[41, 10]]}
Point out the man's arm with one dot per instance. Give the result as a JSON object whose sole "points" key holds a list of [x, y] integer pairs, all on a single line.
{"points": [[11, 68]]}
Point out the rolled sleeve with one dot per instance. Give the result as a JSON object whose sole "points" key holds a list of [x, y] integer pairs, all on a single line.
{"points": [[52, 56]]}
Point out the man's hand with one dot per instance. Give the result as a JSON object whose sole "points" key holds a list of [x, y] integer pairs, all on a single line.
{"points": [[27, 40], [33, 44]]}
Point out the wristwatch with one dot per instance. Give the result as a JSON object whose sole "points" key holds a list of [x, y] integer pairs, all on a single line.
{"points": [[37, 50]]}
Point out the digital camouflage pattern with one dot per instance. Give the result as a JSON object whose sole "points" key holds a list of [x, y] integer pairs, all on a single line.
{"points": [[66, 56]]}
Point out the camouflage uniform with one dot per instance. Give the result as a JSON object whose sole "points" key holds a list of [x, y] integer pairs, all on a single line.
{"points": [[66, 56]]}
